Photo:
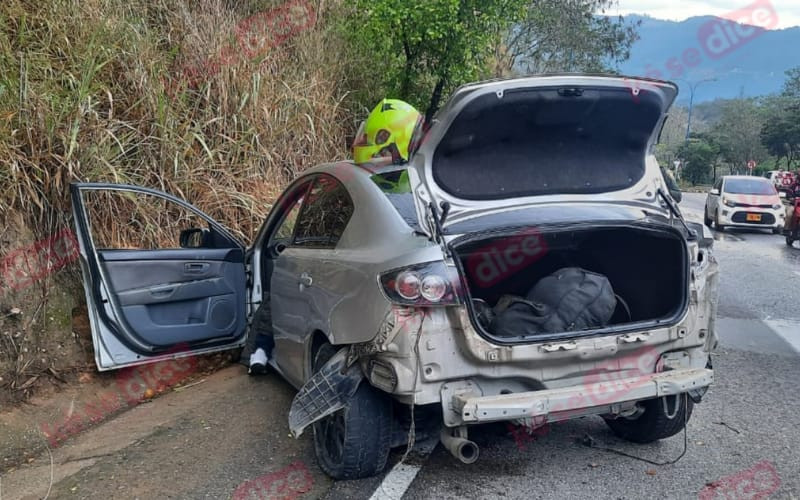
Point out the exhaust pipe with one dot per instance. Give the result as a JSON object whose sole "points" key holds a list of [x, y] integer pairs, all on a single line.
{"points": [[460, 447]]}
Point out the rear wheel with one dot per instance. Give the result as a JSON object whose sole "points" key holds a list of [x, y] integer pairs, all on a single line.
{"points": [[354, 442], [654, 423]]}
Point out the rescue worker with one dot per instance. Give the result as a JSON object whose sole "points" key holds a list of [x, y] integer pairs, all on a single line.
{"points": [[385, 136]]}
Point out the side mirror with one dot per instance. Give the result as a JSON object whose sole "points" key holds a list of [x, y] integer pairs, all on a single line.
{"points": [[782, 194], [194, 237], [714, 191], [676, 194]]}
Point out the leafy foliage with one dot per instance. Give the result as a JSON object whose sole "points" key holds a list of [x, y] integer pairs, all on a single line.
{"points": [[568, 35], [781, 133], [738, 133], [698, 156], [418, 50]]}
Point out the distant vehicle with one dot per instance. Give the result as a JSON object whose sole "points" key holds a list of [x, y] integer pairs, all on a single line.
{"points": [[781, 179], [744, 201]]}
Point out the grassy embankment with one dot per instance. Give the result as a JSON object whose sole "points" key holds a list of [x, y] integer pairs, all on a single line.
{"points": [[155, 93]]}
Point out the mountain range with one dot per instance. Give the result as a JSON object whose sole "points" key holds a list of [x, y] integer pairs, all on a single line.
{"points": [[742, 60]]}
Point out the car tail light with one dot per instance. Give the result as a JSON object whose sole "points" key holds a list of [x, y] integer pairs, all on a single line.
{"points": [[430, 284]]}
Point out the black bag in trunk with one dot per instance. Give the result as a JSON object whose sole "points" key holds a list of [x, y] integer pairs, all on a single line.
{"points": [[571, 299]]}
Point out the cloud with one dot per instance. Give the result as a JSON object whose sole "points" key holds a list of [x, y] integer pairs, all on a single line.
{"points": [[677, 10]]}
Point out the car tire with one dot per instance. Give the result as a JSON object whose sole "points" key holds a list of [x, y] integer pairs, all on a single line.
{"points": [[777, 230], [706, 219], [354, 442], [652, 424], [719, 227], [789, 241]]}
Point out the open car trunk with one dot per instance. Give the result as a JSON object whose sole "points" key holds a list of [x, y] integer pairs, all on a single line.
{"points": [[645, 265]]}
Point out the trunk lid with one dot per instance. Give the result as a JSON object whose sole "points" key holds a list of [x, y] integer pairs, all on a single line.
{"points": [[502, 145]]}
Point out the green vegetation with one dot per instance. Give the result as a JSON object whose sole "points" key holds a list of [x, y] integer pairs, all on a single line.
{"points": [[421, 50], [734, 132]]}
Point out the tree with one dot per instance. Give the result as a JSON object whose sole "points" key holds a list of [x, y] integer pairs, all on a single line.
{"points": [[781, 134], [791, 88], [421, 49], [569, 35], [738, 133], [698, 156]]}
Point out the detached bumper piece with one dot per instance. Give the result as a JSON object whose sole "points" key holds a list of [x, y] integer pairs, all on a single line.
{"points": [[325, 393], [464, 405]]}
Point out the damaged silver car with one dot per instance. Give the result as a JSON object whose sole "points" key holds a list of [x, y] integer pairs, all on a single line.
{"points": [[528, 265]]}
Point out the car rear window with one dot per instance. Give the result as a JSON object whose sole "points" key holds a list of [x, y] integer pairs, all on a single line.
{"points": [[749, 186], [396, 187]]}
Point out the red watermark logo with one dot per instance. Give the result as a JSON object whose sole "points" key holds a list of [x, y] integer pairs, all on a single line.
{"points": [[288, 483], [255, 36], [25, 266], [719, 37], [607, 383], [493, 263], [754, 483], [133, 385]]}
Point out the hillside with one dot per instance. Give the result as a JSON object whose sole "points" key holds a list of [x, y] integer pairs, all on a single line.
{"points": [[754, 68]]}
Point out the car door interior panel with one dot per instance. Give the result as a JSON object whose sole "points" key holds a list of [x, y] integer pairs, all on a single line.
{"points": [[178, 296], [148, 297]]}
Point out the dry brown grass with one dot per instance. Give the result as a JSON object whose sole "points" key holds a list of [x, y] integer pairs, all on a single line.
{"points": [[96, 90]]}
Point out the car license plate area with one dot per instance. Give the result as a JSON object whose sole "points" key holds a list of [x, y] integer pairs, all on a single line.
{"points": [[753, 218]]}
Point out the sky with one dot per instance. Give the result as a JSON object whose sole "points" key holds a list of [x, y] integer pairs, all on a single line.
{"points": [[787, 11]]}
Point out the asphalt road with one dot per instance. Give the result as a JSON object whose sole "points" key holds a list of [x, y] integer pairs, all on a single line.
{"points": [[226, 437]]}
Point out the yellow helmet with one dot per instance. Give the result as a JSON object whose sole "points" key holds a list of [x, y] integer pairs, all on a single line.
{"points": [[388, 130]]}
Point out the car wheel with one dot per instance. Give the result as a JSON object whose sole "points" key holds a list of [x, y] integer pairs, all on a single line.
{"points": [[354, 442], [777, 230], [789, 240], [706, 218], [653, 423], [719, 226]]}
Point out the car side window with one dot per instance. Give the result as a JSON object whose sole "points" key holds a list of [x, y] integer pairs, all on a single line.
{"points": [[286, 228], [718, 185], [325, 214]]}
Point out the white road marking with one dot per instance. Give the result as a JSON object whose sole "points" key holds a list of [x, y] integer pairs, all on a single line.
{"points": [[396, 482], [788, 330]]}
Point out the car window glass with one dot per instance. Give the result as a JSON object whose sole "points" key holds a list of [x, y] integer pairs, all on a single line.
{"points": [[325, 214], [396, 187], [749, 186], [137, 221], [286, 229]]}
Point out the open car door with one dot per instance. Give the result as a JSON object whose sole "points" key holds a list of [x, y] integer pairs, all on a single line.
{"points": [[152, 294]]}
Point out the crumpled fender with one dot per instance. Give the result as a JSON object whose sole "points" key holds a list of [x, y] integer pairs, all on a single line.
{"points": [[324, 393]]}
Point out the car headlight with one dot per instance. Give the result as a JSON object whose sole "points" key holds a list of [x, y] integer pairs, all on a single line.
{"points": [[728, 202], [776, 207]]}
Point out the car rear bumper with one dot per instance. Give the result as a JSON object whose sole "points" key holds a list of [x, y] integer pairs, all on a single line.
{"points": [[607, 396]]}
